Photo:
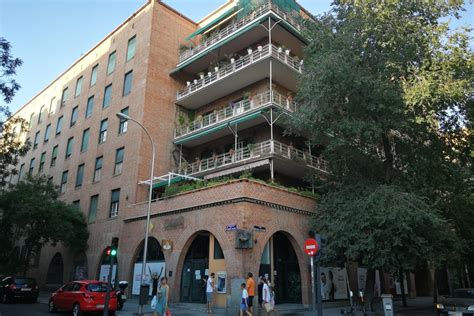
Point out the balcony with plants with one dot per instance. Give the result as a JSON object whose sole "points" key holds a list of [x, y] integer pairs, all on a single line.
{"points": [[239, 72], [239, 25]]}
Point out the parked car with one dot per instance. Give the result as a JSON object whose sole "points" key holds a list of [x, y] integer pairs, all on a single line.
{"points": [[16, 288], [82, 296], [461, 303]]}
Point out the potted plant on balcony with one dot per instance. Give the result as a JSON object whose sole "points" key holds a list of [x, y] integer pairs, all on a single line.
{"points": [[183, 48]]}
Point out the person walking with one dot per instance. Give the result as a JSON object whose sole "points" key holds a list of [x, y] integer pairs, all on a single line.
{"points": [[266, 297], [251, 291], [210, 285], [162, 298], [244, 303]]}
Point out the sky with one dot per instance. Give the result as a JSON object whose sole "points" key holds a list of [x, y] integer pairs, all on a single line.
{"points": [[49, 35]]}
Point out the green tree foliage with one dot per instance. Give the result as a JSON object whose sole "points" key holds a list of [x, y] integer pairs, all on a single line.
{"points": [[8, 85], [387, 92], [32, 214]]}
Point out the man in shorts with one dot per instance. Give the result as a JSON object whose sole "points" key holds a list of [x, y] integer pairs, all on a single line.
{"points": [[250, 290], [210, 285]]}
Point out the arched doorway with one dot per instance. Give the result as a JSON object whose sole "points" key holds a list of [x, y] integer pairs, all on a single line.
{"points": [[204, 256], [79, 268], [279, 264], [104, 268], [55, 270], [155, 264]]}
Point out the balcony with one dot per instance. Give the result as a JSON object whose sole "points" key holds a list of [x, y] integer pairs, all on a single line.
{"points": [[241, 73], [253, 153], [238, 26], [235, 112]]}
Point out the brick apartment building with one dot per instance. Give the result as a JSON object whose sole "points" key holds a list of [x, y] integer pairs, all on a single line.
{"points": [[214, 96]]}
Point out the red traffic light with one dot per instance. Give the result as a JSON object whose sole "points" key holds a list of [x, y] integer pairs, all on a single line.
{"points": [[108, 251]]}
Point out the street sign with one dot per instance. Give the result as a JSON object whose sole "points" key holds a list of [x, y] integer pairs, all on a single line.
{"points": [[311, 247], [231, 227]]}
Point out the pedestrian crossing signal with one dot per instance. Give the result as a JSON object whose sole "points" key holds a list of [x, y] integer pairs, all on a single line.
{"points": [[110, 252]]}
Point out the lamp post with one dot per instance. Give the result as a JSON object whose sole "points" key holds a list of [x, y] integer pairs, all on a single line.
{"points": [[122, 116]]}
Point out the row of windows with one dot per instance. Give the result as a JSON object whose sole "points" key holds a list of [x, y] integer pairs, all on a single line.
{"points": [[94, 204], [131, 48], [123, 125], [99, 161]]}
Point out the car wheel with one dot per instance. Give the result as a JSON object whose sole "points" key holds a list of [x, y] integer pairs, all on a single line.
{"points": [[51, 307], [76, 310]]}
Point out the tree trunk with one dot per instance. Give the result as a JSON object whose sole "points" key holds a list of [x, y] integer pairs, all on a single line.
{"points": [[402, 288], [369, 289], [383, 289], [435, 287]]}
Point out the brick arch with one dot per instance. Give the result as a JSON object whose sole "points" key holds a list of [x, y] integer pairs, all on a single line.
{"points": [[56, 268], [138, 247], [184, 243], [297, 241]]}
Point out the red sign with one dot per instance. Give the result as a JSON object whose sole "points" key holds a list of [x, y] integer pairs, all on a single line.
{"points": [[311, 247]]}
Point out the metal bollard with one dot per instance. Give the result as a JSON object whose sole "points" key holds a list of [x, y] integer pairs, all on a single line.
{"points": [[387, 303]]}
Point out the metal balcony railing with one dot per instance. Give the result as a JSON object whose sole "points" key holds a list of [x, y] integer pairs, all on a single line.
{"points": [[251, 152], [235, 110], [238, 25], [239, 64]]}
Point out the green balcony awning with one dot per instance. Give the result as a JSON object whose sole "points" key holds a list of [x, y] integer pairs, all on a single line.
{"points": [[211, 24], [165, 183]]}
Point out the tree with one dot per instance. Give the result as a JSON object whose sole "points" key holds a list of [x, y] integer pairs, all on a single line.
{"points": [[387, 92], [31, 213], [11, 148]]}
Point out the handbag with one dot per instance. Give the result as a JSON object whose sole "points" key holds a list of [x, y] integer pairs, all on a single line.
{"points": [[154, 301], [268, 307]]}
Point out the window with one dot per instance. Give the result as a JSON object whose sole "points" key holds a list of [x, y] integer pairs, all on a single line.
{"points": [[127, 83], [111, 63], [79, 175], [107, 96], [90, 106], [85, 140], [114, 203], [94, 75], [78, 86], [218, 254], [54, 156], [51, 105], [98, 168], [59, 125], [35, 143], [20, 173], [93, 208], [64, 96], [76, 204], [30, 123], [50, 179], [62, 187], [75, 113], [40, 116], [103, 131], [131, 48], [70, 144], [123, 125], [32, 166], [42, 161], [46, 133], [118, 161]]}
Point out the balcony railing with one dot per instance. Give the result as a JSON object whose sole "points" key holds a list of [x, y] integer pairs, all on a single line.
{"points": [[235, 110], [237, 65], [252, 152], [238, 25]]}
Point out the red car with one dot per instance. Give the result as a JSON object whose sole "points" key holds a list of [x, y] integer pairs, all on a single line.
{"points": [[82, 296]]}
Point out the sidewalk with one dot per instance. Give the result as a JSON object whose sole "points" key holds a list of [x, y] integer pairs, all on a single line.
{"points": [[329, 308]]}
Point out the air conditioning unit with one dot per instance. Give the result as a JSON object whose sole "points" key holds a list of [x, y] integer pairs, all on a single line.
{"points": [[243, 239]]}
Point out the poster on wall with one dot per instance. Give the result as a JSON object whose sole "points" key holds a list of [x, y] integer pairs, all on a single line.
{"points": [[221, 284], [157, 266], [104, 273], [362, 280], [333, 284]]}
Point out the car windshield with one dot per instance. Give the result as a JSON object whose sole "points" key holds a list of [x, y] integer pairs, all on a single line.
{"points": [[468, 293], [22, 281], [97, 287]]}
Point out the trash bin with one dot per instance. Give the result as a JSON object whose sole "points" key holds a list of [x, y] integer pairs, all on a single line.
{"points": [[387, 303], [144, 294]]}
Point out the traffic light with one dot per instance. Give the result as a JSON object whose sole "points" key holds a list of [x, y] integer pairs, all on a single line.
{"points": [[114, 246], [108, 251]]}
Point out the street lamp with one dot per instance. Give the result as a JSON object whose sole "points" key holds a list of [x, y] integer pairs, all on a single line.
{"points": [[122, 116]]}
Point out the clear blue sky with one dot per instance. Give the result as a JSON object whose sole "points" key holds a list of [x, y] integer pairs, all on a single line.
{"points": [[51, 34]]}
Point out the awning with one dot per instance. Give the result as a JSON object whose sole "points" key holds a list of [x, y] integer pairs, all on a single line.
{"points": [[212, 23], [165, 183], [219, 127]]}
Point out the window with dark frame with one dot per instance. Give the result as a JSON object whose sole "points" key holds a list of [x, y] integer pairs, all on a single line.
{"points": [[54, 156], [94, 202], [64, 96], [114, 203], [103, 131], [42, 161], [74, 115], [36, 141], [90, 106], [62, 187], [78, 86], [118, 161], [127, 83], [32, 166], [107, 96], [111, 63], [70, 144], [59, 125], [46, 133], [79, 175], [98, 168], [131, 47], [123, 125], [85, 140], [95, 69]]}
